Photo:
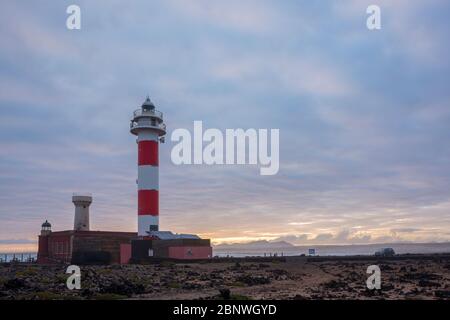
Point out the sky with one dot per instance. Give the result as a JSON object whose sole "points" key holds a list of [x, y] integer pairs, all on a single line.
{"points": [[364, 117]]}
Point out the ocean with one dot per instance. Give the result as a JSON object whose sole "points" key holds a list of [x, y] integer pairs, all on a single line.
{"points": [[334, 250], [321, 250], [24, 257]]}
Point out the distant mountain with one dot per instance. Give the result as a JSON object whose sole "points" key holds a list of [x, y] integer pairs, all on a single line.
{"points": [[260, 244]]}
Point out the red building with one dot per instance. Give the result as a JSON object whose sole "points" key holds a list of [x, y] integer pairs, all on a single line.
{"points": [[81, 246], [167, 245], [107, 247]]}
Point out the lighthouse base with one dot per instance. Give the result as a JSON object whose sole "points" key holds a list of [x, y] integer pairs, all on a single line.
{"points": [[153, 250]]}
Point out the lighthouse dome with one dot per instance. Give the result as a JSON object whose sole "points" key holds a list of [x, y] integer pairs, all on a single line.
{"points": [[46, 224], [148, 104]]}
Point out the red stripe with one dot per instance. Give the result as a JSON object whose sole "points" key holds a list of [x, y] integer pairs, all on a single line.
{"points": [[148, 153], [148, 202]]}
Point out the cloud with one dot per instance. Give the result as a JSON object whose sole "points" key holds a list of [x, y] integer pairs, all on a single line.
{"points": [[294, 239], [363, 117], [323, 237], [296, 74], [256, 17], [17, 241], [355, 236], [412, 29], [405, 230]]}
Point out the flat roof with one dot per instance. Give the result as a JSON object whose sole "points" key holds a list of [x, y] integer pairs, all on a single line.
{"points": [[92, 232]]}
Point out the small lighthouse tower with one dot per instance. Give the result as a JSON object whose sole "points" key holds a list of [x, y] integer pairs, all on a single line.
{"points": [[46, 228], [147, 124], [82, 201]]}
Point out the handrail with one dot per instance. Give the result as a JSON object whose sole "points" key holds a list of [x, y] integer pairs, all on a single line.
{"points": [[146, 124], [140, 112]]}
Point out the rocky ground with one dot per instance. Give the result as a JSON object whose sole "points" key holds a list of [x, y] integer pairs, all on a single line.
{"points": [[297, 278]]}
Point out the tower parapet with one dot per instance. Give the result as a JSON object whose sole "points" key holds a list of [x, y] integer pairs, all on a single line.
{"points": [[82, 201]]}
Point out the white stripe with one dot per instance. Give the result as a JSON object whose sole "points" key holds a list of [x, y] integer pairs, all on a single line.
{"points": [[144, 223], [148, 178], [147, 135]]}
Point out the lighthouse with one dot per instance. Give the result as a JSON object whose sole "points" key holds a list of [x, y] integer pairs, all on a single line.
{"points": [[148, 125], [81, 245]]}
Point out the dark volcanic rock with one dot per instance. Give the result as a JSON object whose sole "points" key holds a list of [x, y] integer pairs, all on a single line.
{"points": [[279, 272], [14, 284], [421, 276], [190, 286], [299, 297], [253, 280], [443, 294], [86, 293], [371, 293], [386, 267], [387, 287], [225, 293], [126, 288], [335, 284], [427, 283]]}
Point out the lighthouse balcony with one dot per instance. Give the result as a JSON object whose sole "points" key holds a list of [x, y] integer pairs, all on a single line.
{"points": [[147, 113], [135, 126]]}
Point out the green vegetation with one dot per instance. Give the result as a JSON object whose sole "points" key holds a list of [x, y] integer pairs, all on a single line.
{"points": [[104, 271], [239, 297], [41, 295], [174, 285], [236, 284], [28, 272], [167, 264], [61, 277], [108, 296]]}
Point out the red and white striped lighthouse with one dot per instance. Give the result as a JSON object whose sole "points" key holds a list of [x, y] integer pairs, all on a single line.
{"points": [[147, 124]]}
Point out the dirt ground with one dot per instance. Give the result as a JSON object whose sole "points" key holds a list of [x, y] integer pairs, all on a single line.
{"points": [[424, 277]]}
